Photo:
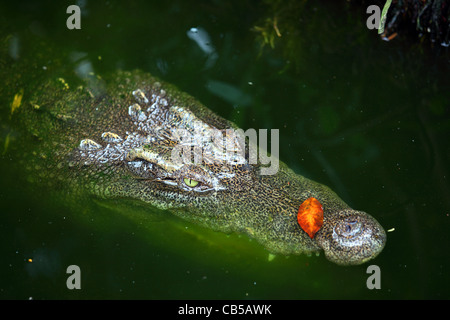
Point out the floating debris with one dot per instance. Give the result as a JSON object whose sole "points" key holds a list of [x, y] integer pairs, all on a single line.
{"points": [[17, 101]]}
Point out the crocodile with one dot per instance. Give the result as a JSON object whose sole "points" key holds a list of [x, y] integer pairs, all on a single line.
{"points": [[113, 137]]}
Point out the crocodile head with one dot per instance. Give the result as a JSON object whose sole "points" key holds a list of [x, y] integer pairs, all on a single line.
{"points": [[139, 151]]}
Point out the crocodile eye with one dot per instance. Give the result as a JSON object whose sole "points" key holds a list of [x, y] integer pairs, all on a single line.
{"points": [[190, 183]]}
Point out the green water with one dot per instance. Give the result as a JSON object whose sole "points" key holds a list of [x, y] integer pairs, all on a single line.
{"points": [[368, 118]]}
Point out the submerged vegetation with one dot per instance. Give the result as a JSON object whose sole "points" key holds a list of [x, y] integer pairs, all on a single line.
{"points": [[422, 20]]}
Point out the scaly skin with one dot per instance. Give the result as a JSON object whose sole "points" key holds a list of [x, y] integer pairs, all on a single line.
{"points": [[114, 138]]}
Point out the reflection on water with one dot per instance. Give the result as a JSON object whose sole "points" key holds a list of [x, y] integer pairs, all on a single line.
{"points": [[201, 37]]}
